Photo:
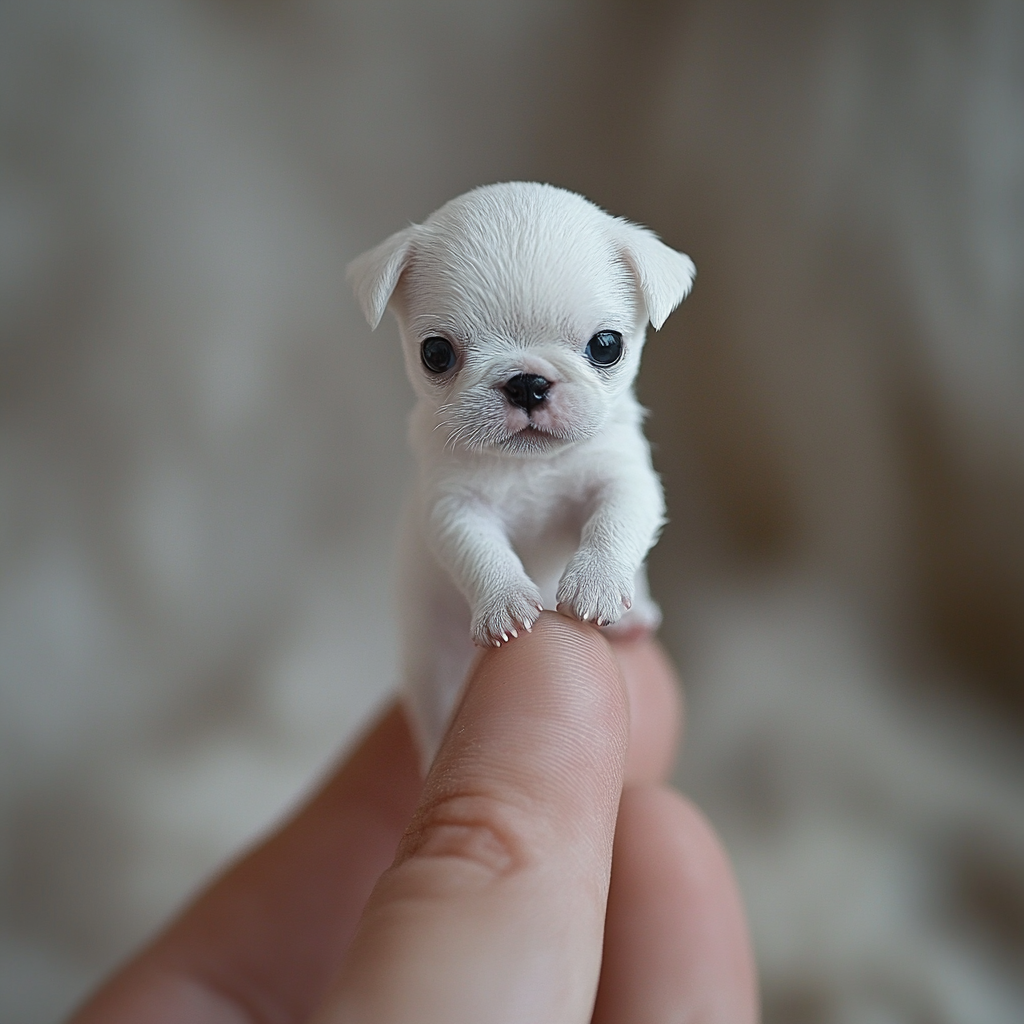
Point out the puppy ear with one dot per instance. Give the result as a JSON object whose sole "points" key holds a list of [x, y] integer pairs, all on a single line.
{"points": [[664, 275], [374, 275]]}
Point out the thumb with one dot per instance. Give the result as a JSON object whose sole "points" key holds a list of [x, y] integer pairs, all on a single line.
{"points": [[494, 908]]}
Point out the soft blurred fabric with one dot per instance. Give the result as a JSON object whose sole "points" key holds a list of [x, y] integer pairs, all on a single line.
{"points": [[202, 450]]}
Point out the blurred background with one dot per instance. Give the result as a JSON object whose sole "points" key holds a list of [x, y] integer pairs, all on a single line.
{"points": [[202, 446]]}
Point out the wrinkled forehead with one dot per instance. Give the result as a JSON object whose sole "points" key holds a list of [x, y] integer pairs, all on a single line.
{"points": [[517, 274]]}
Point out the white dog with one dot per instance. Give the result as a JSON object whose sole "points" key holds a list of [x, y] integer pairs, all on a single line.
{"points": [[522, 310]]}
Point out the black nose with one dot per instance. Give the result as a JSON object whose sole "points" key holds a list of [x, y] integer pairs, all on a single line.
{"points": [[527, 390]]}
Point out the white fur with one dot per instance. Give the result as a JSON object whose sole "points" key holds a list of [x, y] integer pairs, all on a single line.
{"points": [[512, 511]]}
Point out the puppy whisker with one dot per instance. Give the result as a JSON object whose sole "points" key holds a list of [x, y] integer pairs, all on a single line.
{"points": [[456, 436]]}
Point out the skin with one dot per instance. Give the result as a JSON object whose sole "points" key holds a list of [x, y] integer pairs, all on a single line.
{"points": [[546, 807]]}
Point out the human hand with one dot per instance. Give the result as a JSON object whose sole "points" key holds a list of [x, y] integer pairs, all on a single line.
{"points": [[548, 788]]}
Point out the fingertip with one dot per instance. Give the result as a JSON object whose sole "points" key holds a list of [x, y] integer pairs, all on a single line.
{"points": [[676, 939], [655, 705], [550, 707], [497, 895]]}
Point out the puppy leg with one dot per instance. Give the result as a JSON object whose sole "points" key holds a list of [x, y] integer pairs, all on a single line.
{"points": [[471, 543], [599, 582], [437, 650]]}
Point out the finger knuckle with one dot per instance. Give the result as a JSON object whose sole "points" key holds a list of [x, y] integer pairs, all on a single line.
{"points": [[479, 829]]}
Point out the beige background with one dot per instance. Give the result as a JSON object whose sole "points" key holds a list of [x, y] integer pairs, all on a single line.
{"points": [[202, 451]]}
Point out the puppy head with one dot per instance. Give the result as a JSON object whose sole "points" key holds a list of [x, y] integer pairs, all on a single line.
{"points": [[522, 310]]}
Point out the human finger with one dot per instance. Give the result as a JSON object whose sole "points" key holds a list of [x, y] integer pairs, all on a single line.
{"points": [[262, 942], [235, 947], [676, 941], [494, 909], [655, 708]]}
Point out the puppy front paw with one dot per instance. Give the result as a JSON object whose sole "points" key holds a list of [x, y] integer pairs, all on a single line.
{"points": [[500, 616], [595, 589]]}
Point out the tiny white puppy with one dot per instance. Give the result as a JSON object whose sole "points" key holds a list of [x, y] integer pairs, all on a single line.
{"points": [[522, 310]]}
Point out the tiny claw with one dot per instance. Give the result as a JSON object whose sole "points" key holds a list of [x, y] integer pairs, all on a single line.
{"points": [[540, 607], [529, 629], [514, 633], [504, 636], [497, 643], [627, 603], [601, 622]]}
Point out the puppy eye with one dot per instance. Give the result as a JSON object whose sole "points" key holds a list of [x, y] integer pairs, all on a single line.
{"points": [[438, 354], [604, 348]]}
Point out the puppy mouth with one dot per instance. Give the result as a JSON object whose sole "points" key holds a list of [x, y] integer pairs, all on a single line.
{"points": [[538, 429], [532, 428], [534, 438]]}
